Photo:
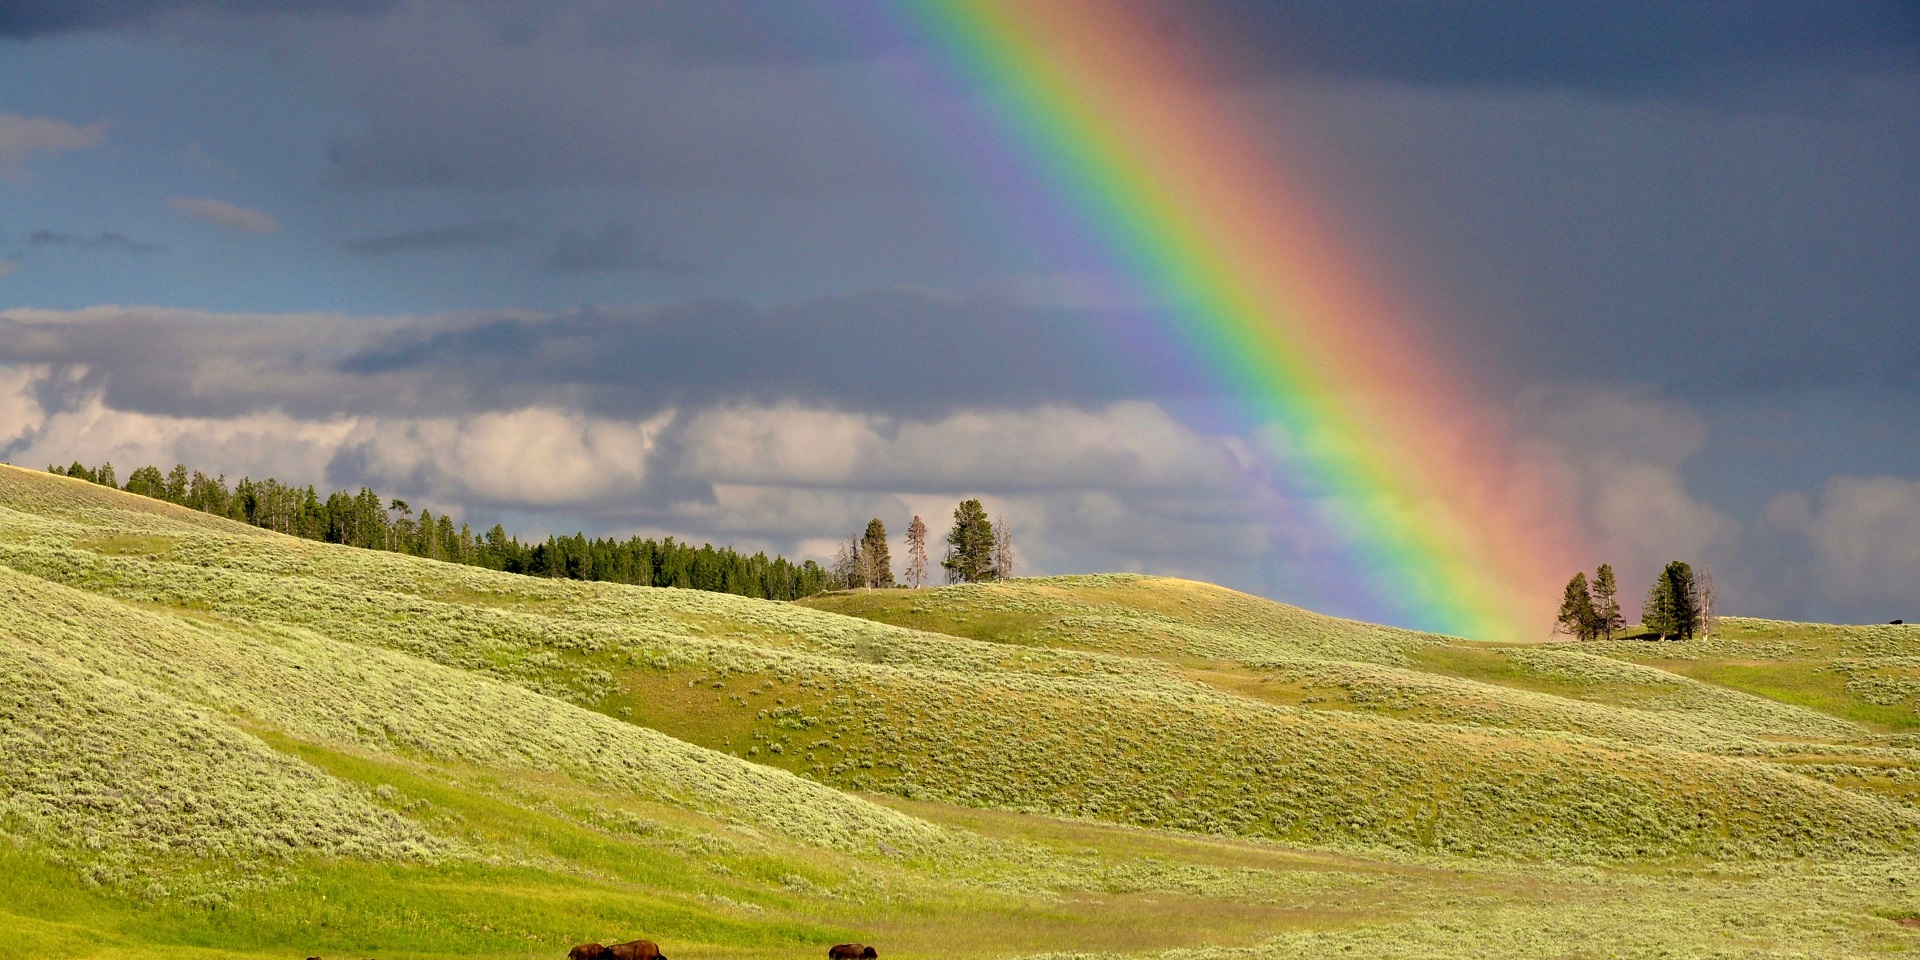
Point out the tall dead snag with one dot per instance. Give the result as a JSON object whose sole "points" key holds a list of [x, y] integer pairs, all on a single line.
{"points": [[846, 570], [916, 552], [1002, 550], [1704, 584]]}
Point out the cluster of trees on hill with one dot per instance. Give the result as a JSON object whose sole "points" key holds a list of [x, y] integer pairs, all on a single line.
{"points": [[1678, 605], [366, 519], [977, 551]]}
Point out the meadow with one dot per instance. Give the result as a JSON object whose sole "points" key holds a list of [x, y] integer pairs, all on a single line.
{"points": [[218, 741]]}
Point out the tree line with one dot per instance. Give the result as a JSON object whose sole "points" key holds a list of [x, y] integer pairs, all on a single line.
{"points": [[978, 550], [368, 520], [1679, 605]]}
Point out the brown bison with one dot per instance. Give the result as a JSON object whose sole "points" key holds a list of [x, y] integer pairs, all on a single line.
{"points": [[631, 950], [634, 950], [852, 951]]}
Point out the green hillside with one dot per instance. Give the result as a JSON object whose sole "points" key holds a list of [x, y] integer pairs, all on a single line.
{"points": [[217, 741]]}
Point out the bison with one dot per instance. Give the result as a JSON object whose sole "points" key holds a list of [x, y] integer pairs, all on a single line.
{"points": [[634, 950], [587, 951], [852, 951]]}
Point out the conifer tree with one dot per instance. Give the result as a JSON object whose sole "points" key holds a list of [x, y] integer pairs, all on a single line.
{"points": [[177, 483], [1577, 616], [1606, 601], [876, 563], [970, 544], [916, 552]]}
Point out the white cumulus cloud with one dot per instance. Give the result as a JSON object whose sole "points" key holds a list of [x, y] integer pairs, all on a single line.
{"points": [[529, 458]]}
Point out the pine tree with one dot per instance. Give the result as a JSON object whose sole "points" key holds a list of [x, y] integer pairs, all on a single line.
{"points": [[1577, 616], [970, 554], [1606, 601], [876, 563], [916, 552], [177, 483]]}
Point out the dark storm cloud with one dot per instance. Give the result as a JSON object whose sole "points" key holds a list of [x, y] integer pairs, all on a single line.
{"points": [[614, 248], [31, 18], [884, 351], [1605, 45], [666, 97], [437, 238], [98, 241]]}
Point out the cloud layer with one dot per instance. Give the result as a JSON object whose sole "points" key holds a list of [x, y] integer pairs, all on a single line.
{"points": [[883, 351], [1101, 481], [1128, 486]]}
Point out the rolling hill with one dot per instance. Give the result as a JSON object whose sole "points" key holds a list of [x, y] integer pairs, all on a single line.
{"points": [[216, 741]]}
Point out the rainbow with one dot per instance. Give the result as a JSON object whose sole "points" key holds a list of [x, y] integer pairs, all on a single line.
{"points": [[1451, 529]]}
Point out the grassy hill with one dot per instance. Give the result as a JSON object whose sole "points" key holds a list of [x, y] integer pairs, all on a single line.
{"points": [[216, 741]]}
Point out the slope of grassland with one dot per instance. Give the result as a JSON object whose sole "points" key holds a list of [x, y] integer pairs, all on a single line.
{"points": [[217, 741], [861, 705]]}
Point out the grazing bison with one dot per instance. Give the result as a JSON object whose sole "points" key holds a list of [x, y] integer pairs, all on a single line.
{"points": [[852, 951], [1898, 622], [634, 950], [587, 951]]}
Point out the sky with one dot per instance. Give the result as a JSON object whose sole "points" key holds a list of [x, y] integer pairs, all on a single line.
{"points": [[735, 272]]}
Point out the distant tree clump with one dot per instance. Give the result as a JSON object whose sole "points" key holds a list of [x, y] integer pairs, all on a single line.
{"points": [[1673, 603], [916, 552], [969, 545], [365, 519], [876, 563]]}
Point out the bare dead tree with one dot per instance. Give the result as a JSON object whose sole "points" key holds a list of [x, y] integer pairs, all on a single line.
{"points": [[1002, 549], [916, 552], [846, 564], [1709, 621]]}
